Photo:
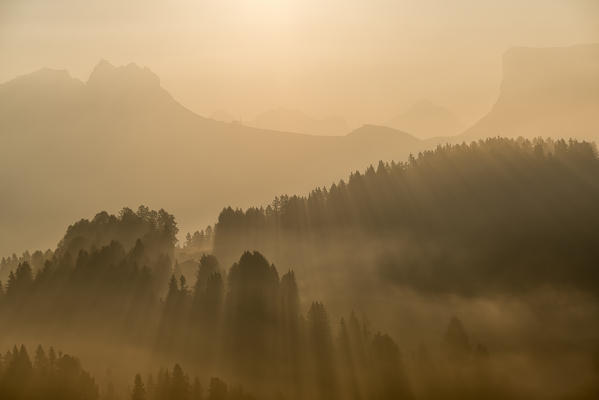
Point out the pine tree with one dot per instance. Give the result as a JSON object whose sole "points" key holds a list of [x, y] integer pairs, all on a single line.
{"points": [[11, 284], [52, 356], [347, 361], [290, 334], [163, 385], [217, 390], [321, 347], [197, 390], [40, 361], [139, 391], [173, 290], [456, 342], [150, 388], [253, 307], [180, 389], [388, 376]]}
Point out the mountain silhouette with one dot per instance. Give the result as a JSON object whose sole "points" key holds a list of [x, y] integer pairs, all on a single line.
{"points": [[121, 139], [374, 133], [425, 119], [295, 121], [223, 116], [549, 92]]}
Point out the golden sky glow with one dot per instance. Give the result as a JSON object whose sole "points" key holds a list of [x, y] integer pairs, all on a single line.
{"points": [[365, 61]]}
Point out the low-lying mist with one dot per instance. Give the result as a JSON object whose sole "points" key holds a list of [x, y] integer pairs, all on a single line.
{"points": [[467, 272]]}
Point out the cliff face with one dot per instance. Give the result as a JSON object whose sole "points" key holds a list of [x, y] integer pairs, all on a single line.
{"points": [[545, 92]]}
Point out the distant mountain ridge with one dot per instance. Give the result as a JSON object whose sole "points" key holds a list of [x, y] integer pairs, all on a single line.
{"points": [[121, 139], [425, 120], [295, 121], [384, 133], [551, 91], [53, 97]]}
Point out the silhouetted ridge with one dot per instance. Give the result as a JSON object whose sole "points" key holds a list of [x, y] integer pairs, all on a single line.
{"points": [[131, 75], [425, 120], [44, 77], [295, 121], [377, 131], [549, 92]]}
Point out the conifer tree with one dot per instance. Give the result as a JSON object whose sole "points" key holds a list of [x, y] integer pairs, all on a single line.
{"points": [[217, 390], [197, 392], [139, 391], [180, 388]]}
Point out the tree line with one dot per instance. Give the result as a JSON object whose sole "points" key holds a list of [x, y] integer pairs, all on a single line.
{"points": [[104, 285], [177, 385], [49, 375], [246, 324], [53, 375], [455, 215], [250, 326], [116, 266]]}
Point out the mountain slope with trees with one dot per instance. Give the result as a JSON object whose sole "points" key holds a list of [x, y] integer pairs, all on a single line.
{"points": [[493, 216]]}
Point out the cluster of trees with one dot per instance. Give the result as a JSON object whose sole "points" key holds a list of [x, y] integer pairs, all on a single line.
{"points": [[157, 230], [195, 245], [462, 212], [176, 385], [36, 260], [252, 328], [51, 375], [115, 265], [246, 324], [200, 239], [47, 376]]}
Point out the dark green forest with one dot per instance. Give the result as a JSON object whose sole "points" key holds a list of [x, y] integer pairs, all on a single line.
{"points": [[279, 301]]}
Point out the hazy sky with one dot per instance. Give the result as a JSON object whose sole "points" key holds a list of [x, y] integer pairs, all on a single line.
{"points": [[365, 60]]}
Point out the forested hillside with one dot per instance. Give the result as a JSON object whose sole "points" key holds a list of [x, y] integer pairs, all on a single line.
{"points": [[245, 323], [493, 231], [46, 375], [54, 375], [369, 204], [472, 219]]}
